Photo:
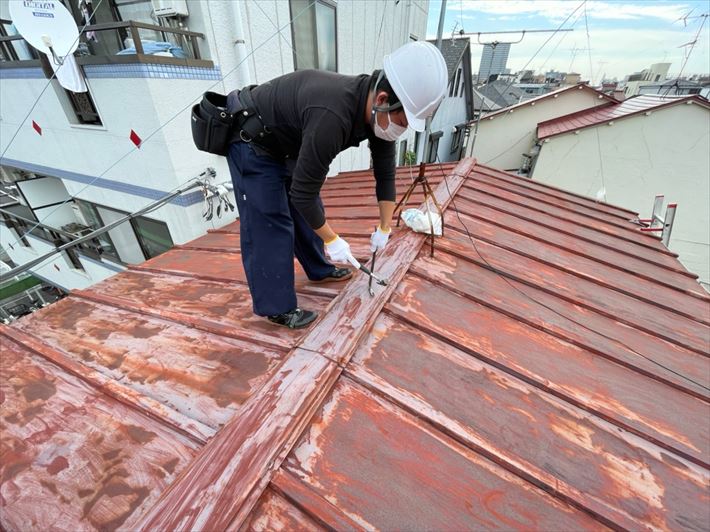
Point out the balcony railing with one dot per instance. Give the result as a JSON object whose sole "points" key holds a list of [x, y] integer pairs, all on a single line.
{"points": [[115, 42]]}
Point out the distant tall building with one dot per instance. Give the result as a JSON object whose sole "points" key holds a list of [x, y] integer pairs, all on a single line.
{"points": [[493, 60]]}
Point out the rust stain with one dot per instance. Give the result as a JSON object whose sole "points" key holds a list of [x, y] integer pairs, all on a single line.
{"points": [[140, 435], [169, 466], [35, 390], [60, 463]]}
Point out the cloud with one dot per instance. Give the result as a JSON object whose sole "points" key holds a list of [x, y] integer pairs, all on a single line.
{"points": [[640, 47], [557, 10]]}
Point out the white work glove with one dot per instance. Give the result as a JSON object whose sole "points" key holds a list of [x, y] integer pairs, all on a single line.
{"points": [[338, 250], [379, 238]]}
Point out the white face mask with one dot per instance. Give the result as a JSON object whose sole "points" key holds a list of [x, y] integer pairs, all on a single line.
{"points": [[391, 133]]}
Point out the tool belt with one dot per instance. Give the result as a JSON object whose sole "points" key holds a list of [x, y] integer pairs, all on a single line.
{"points": [[219, 120], [248, 124], [212, 124]]}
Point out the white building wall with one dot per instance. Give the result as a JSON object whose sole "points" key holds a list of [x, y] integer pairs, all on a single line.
{"points": [[643, 156], [163, 163], [504, 138], [451, 113]]}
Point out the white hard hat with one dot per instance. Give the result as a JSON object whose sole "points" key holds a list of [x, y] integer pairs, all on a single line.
{"points": [[417, 74]]}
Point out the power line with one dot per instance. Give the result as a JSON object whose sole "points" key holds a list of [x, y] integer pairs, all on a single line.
{"points": [[591, 82], [559, 28], [689, 52], [178, 113]]}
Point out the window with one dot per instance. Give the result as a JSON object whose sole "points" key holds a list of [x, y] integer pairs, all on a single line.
{"points": [[131, 242], [458, 137], [458, 80], [314, 35], [403, 153], [78, 106], [433, 147], [84, 108], [93, 220], [153, 236], [455, 140]]}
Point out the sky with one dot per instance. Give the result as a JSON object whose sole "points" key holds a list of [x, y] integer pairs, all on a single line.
{"points": [[625, 36]]}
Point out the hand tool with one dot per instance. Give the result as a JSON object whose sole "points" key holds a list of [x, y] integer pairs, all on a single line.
{"points": [[356, 264], [372, 266]]}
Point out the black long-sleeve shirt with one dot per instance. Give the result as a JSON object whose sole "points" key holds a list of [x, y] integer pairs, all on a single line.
{"points": [[314, 115]]}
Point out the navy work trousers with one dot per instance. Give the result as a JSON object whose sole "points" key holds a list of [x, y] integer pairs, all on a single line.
{"points": [[272, 231]]}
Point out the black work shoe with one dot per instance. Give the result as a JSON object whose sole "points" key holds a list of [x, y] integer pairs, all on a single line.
{"points": [[338, 274], [294, 319]]}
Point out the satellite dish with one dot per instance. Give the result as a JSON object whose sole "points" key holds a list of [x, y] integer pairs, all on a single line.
{"points": [[46, 25]]}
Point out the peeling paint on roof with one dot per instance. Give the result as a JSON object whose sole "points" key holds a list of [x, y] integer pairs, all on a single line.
{"points": [[553, 376]]}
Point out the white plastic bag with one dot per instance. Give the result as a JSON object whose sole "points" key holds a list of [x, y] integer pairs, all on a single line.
{"points": [[419, 221]]}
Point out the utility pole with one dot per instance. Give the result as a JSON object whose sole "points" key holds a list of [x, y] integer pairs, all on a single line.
{"points": [[439, 32]]}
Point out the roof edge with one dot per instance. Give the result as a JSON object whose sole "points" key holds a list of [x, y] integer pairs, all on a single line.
{"points": [[578, 86], [693, 97]]}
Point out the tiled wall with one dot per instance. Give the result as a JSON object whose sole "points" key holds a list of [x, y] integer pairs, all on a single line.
{"points": [[129, 70], [21, 73], [143, 70]]}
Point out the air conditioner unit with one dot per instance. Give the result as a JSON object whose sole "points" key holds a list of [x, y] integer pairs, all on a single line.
{"points": [[170, 8]]}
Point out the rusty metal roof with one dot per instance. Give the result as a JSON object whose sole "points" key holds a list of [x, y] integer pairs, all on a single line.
{"points": [[553, 376]]}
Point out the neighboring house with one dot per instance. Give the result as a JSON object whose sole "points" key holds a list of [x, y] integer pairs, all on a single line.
{"points": [[532, 90], [506, 135], [677, 87], [636, 149], [449, 128], [538, 372], [482, 104], [503, 92], [85, 138], [654, 74]]}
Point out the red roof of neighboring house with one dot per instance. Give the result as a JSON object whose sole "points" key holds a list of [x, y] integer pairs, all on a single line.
{"points": [[554, 377], [553, 94], [612, 111]]}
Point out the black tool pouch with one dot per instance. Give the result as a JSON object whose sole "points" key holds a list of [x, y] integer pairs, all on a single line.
{"points": [[212, 124]]}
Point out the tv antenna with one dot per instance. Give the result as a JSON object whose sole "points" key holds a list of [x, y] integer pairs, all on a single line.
{"points": [[47, 26]]}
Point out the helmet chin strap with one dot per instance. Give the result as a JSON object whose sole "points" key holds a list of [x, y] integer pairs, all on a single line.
{"points": [[383, 108]]}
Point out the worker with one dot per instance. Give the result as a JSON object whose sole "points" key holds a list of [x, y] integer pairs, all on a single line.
{"points": [[287, 132]]}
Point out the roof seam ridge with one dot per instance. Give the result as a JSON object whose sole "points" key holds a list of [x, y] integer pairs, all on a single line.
{"points": [[581, 303], [591, 228], [502, 461], [562, 335], [177, 317], [579, 237], [553, 188], [617, 224], [555, 393], [530, 191], [600, 282], [305, 396], [133, 399], [580, 253]]}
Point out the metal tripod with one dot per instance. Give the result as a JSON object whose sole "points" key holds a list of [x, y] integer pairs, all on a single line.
{"points": [[422, 180]]}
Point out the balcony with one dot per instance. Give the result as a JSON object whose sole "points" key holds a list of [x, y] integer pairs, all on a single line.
{"points": [[126, 42]]}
